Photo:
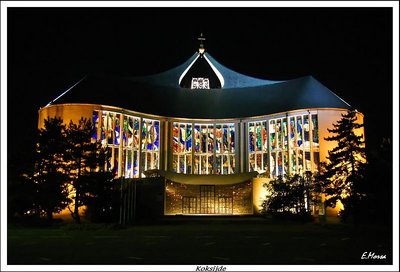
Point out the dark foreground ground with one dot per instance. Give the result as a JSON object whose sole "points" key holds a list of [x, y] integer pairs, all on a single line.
{"points": [[212, 241]]}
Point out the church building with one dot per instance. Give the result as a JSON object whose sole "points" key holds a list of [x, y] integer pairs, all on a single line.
{"points": [[215, 135]]}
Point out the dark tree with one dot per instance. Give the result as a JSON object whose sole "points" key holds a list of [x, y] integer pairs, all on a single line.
{"points": [[100, 191], [288, 197], [102, 197], [344, 172], [79, 152], [49, 178], [93, 186], [379, 184], [21, 193]]}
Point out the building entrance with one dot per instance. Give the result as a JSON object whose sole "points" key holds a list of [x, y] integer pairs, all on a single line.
{"points": [[207, 199]]}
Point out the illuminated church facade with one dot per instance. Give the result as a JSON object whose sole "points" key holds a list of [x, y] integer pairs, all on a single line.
{"points": [[214, 134]]}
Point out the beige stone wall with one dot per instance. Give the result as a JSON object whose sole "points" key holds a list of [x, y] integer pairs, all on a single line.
{"points": [[67, 112], [326, 119], [259, 193]]}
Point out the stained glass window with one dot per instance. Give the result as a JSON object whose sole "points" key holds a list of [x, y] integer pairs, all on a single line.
{"points": [[225, 139], [300, 163], [279, 163], [293, 161], [110, 128], [258, 137], [225, 164], [181, 163], [175, 163], [156, 135], [129, 157], [285, 162], [285, 134], [287, 144], [189, 138], [218, 159], [232, 138], [103, 128], [117, 130], [96, 125], [292, 132], [182, 147], [265, 162], [273, 164], [264, 136], [197, 138], [150, 145], [175, 136], [188, 163], [272, 134], [252, 162], [121, 134], [196, 165], [306, 128], [299, 129], [218, 136], [136, 163], [125, 131], [257, 145], [251, 137], [259, 160], [116, 159], [315, 130], [232, 164], [278, 134], [210, 139]]}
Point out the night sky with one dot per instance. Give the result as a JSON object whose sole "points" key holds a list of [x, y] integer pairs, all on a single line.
{"points": [[349, 50]]}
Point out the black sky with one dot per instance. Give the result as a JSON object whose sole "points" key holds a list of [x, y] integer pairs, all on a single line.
{"points": [[349, 50]]}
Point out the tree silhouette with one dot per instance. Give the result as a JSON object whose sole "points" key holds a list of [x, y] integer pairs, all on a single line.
{"points": [[100, 191], [79, 149], [344, 172], [86, 160], [49, 177], [288, 195]]}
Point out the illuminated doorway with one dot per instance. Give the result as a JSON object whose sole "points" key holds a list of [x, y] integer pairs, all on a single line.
{"points": [[207, 199]]}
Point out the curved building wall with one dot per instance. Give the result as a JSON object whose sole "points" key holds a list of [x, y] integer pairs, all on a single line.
{"points": [[67, 112], [134, 140], [283, 143]]}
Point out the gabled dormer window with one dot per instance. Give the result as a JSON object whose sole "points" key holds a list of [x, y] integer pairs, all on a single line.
{"points": [[200, 83]]}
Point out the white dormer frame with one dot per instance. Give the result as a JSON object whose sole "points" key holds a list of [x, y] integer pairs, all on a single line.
{"points": [[219, 75]]}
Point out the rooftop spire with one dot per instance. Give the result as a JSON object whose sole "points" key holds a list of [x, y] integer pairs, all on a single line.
{"points": [[201, 40]]}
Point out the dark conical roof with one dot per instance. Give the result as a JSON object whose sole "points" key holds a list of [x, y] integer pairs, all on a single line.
{"points": [[238, 95]]}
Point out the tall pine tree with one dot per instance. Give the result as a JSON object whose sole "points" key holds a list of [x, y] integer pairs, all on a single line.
{"points": [[79, 147], [50, 178], [344, 172], [86, 160]]}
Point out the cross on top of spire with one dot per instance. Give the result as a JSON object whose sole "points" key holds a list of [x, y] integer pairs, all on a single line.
{"points": [[201, 39]]}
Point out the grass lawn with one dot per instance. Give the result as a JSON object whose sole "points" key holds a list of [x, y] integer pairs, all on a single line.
{"points": [[201, 241]]}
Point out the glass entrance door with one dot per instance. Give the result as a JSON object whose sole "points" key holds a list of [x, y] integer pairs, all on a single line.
{"points": [[207, 199]]}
